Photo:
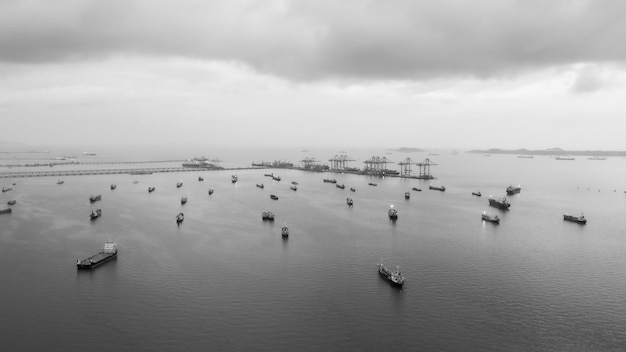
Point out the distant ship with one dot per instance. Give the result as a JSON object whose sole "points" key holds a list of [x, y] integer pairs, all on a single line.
{"points": [[179, 184], [6, 189], [274, 197], [260, 185], [477, 194], [108, 252], [179, 218], [342, 186], [12, 202], [491, 218], [211, 190], [294, 188], [395, 278], [525, 156], [95, 214], [372, 184], [407, 195], [284, 231], [437, 188], [113, 186], [267, 216], [393, 214], [95, 198], [60, 182], [6, 211], [565, 157], [183, 200], [276, 178], [328, 180], [511, 190], [597, 158], [579, 219], [151, 189], [417, 189], [234, 179], [89, 153], [501, 203], [349, 201]]}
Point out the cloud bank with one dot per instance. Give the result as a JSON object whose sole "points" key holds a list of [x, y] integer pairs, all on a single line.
{"points": [[316, 40]]}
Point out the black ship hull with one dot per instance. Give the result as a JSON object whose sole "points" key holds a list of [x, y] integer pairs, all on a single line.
{"points": [[96, 260]]}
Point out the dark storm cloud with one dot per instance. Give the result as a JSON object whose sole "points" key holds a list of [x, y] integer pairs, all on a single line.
{"points": [[378, 39]]}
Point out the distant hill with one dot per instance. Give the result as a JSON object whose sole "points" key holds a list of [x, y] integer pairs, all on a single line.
{"points": [[408, 150], [551, 151]]}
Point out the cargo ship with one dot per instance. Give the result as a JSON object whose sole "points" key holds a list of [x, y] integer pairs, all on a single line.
{"points": [[437, 188], [108, 252], [284, 231], [513, 189], [95, 198], [267, 216], [95, 214], [6, 211], [491, 218], [393, 214], [579, 219], [501, 203], [394, 277]]}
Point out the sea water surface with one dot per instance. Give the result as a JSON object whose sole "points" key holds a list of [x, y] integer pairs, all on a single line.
{"points": [[224, 280]]}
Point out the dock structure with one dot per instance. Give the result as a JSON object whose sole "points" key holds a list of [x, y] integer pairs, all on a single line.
{"points": [[134, 171], [405, 167], [313, 164], [339, 162], [424, 173], [376, 164]]}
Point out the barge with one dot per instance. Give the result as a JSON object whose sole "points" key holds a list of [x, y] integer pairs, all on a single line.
{"points": [[107, 253]]}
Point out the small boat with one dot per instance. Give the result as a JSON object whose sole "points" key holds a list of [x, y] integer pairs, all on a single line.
{"points": [[274, 197], [234, 179], [179, 218], [579, 219], [372, 184], [294, 183], [353, 189], [6, 189], [60, 182], [437, 188], [477, 194], [151, 189], [93, 198], [200, 178], [113, 186], [183, 200], [328, 180], [95, 214], [6, 211], [108, 252], [501, 203], [342, 186], [417, 189], [12, 202], [393, 214], [179, 184], [284, 231], [260, 185], [349, 201], [210, 191], [511, 190], [267, 216], [269, 175], [276, 178], [491, 218], [395, 278], [565, 157], [407, 195], [294, 188]]}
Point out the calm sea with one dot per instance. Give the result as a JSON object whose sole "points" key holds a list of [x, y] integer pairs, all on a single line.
{"points": [[226, 281]]}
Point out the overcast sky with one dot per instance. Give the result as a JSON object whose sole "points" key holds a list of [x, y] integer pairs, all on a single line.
{"points": [[372, 73]]}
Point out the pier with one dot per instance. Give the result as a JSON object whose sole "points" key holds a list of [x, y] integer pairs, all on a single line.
{"points": [[135, 171]]}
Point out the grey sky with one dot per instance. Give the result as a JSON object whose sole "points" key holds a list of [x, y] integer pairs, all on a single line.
{"points": [[364, 73]]}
